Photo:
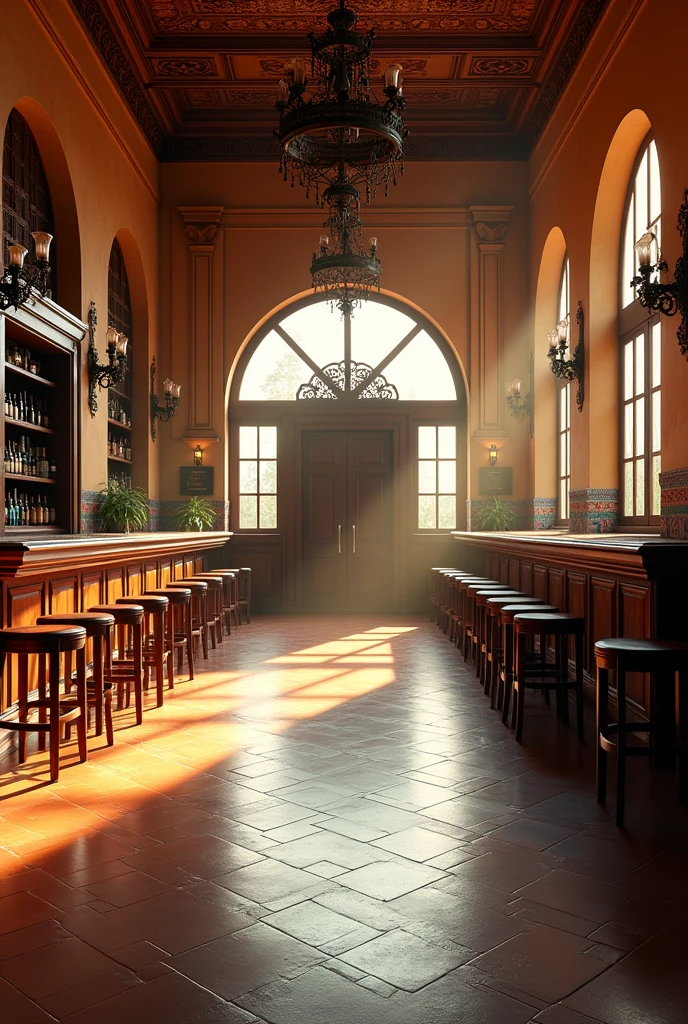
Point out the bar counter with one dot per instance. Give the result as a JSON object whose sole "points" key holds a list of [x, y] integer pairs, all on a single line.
{"points": [[624, 585], [65, 573]]}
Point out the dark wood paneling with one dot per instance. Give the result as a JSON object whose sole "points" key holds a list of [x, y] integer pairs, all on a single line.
{"points": [[150, 576], [263, 555], [134, 580], [602, 617], [513, 577], [526, 578], [114, 585], [92, 589], [63, 595], [634, 620], [540, 582]]}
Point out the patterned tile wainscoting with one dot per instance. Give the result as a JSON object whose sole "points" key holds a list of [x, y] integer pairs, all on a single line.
{"points": [[544, 513], [674, 521], [594, 510], [160, 518]]}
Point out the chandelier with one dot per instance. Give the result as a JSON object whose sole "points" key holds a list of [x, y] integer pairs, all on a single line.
{"points": [[338, 130], [342, 269]]}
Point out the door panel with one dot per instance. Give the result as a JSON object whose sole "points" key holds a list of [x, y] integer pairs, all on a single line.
{"points": [[324, 511], [369, 494]]}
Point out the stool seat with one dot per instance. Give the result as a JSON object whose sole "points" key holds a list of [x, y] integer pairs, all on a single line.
{"points": [[95, 623], [128, 614], [195, 586], [43, 639], [175, 595], [500, 600], [149, 602], [519, 607], [642, 655], [552, 623]]}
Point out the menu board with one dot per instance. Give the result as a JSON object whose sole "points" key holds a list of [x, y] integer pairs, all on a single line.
{"points": [[495, 480], [196, 480]]}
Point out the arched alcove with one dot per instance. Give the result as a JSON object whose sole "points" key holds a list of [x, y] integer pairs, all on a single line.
{"points": [[65, 215], [602, 359]]}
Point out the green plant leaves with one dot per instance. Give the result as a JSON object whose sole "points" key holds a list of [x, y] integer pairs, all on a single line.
{"points": [[122, 509], [496, 516], [197, 514]]}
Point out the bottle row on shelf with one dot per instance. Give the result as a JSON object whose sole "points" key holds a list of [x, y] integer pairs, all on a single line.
{"points": [[21, 457], [117, 411], [122, 479], [119, 446], [27, 408], [21, 357], [28, 509]]}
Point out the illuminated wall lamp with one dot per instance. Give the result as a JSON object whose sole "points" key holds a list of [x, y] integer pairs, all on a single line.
{"points": [[104, 375], [521, 405], [492, 455], [568, 369], [23, 275], [159, 411], [198, 455], [671, 297]]}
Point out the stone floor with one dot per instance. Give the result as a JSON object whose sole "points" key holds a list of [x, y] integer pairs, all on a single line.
{"points": [[330, 826]]}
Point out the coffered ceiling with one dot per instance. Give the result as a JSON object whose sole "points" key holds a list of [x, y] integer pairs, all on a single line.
{"points": [[481, 77]]}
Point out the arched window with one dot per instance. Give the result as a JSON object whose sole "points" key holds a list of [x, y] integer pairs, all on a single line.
{"points": [[119, 398], [379, 353], [564, 406], [26, 205], [640, 357]]}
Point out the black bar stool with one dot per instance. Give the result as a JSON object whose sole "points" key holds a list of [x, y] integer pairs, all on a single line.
{"points": [[434, 590], [214, 606], [197, 611], [466, 608], [155, 650], [507, 616], [179, 623], [560, 625], [241, 586], [50, 642], [495, 641], [125, 672], [484, 626], [663, 659], [98, 626], [472, 617]]}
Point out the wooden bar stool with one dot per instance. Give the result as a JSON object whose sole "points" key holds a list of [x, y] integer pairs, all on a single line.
{"points": [[466, 609], [434, 590], [472, 617], [484, 624], [230, 596], [664, 660], [98, 627], [560, 625], [494, 640], [507, 615], [454, 609], [50, 642], [179, 622], [156, 652], [215, 603], [125, 672], [174, 598], [197, 611]]}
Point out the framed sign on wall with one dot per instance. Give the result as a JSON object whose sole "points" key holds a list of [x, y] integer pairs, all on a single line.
{"points": [[196, 480], [495, 480]]}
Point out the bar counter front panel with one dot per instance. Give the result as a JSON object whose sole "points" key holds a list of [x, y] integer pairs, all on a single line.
{"points": [[71, 574], [631, 586]]}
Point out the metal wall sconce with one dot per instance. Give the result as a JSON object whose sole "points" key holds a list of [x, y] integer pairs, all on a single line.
{"points": [[492, 455], [198, 455], [670, 298], [23, 276], [569, 369], [521, 405], [167, 411], [114, 371]]}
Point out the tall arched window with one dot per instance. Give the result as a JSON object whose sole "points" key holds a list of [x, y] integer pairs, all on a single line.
{"points": [[640, 357], [119, 398], [26, 205], [564, 406]]}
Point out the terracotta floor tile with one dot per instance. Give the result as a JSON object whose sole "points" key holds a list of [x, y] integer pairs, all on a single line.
{"points": [[267, 882], [331, 846], [171, 998], [139, 955], [128, 888], [89, 992], [206, 856], [70, 961], [468, 924], [21, 909], [623, 995], [18, 1009]]}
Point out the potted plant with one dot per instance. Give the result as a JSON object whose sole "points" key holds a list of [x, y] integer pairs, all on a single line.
{"points": [[495, 516], [123, 509], [197, 514]]}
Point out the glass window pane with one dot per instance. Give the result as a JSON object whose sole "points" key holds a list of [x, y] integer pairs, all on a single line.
{"points": [[563, 493], [268, 442], [655, 187], [375, 330], [427, 512], [268, 477], [639, 365], [628, 370], [641, 198], [427, 442], [656, 421], [628, 431], [274, 372], [248, 512], [446, 477], [427, 477], [627, 291], [640, 487], [420, 372], [446, 442], [248, 477], [656, 355], [628, 489], [563, 452], [564, 305], [562, 409], [640, 426], [446, 512], [268, 512], [656, 489], [319, 331], [248, 442]]}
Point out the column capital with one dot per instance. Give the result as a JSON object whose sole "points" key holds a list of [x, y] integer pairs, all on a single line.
{"points": [[491, 223], [201, 223]]}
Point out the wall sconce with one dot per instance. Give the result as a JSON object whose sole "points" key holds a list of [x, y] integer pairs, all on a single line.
{"points": [[114, 371], [492, 455], [172, 394], [569, 369], [521, 405], [671, 298], [198, 455], [23, 276]]}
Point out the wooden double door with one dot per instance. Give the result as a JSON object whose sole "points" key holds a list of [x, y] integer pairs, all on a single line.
{"points": [[347, 520]]}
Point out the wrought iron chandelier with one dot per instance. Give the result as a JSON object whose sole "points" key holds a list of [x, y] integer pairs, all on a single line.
{"points": [[342, 270], [23, 275], [338, 130]]}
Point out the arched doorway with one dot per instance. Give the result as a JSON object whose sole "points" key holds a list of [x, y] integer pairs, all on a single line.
{"points": [[347, 451]]}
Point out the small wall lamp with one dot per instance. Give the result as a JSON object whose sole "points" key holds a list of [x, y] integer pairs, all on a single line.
{"points": [[569, 369], [670, 298], [172, 396], [24, 275], [198, 455], [113, 372], [492, 454], [521, 405]]}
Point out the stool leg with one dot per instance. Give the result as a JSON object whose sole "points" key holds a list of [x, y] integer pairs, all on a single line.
{"points": [[23, 696], [138, 673], [189, 640], [218, 616], [563, 645], [621, 747], [169, 621], [507, 646], [159, 642], [54, 685], [519, 683], [580, 719], [543, 659], [42, 712], [82, 700], [98, 685], [601, 722]]}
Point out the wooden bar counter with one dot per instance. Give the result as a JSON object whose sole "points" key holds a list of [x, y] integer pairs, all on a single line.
{"points": [[623, 585], [72, 573]]}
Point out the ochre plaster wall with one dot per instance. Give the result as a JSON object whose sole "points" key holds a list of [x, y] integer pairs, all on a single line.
{"points": [[104, 183]]}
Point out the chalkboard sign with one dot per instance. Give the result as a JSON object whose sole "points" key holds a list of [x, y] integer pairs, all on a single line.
{"points": [[495, 480], [196, 480]]}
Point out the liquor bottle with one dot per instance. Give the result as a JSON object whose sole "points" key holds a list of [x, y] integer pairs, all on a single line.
{"points": [[15, 406], [52, 516], [7, 404], [53, 468], [46, 418]]}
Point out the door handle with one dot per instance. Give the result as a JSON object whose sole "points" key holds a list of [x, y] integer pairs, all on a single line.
{"points": [[339, 539], [354, 547]]}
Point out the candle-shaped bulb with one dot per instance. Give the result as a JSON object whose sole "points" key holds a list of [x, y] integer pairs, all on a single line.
{"points": [[392, 76], [644, 247], [42, 242], [283, 91], [553, 340], [516, 386], [167, 385], [373, 245], [324, 243], [17, 255], [563, 331], [299, 70], [112, 336], [176, 390], [121, 346]]}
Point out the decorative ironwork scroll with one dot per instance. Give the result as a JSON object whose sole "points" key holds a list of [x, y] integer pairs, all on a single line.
{"points": [[335, 374]]}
